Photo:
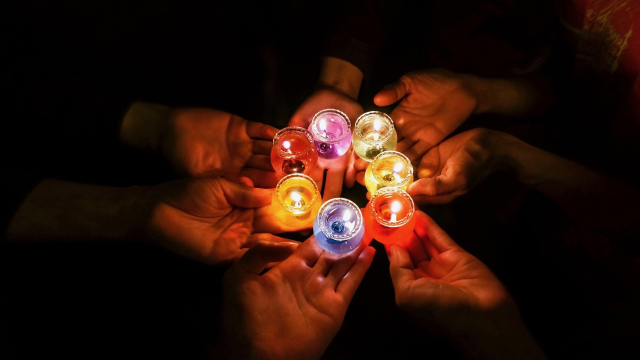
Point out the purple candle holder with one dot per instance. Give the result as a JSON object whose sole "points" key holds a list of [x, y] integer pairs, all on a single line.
{"points": [[331, 131]]}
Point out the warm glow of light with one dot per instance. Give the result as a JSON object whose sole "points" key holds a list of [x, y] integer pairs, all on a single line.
{"points": [[397, 168], [295, 196], [347, 216], [395, 207], [286, 145], [323, 125], [376, 125]]}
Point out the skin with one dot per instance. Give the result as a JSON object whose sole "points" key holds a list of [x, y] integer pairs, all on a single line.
{"points": [[203, 142], [338, 87], [449, 291], [211, 220], [295, 309]]}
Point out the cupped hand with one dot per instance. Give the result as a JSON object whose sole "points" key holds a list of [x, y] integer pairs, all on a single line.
{"points": [[207, 142], [433, 103], [293, 310], [456, 166], [339, 170], [441, 286], [206, 219]]}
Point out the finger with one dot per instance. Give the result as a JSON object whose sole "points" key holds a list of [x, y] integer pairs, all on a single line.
{"points": [[341, 266], [261, 162], [427, 228], [245, 181], [429, 163], [325, 263], [261, 147], [349, 283], [418, 149], [361, 164], [400, 267], [435, 186], [256, 259], [245, 196], [350, 174], [258, 130], [404, 145], [309, 252], [360, 177], [435, 200], [333, 186], [254, 239], [299, 120], [261, 178], [391, 93], [416, 250]]}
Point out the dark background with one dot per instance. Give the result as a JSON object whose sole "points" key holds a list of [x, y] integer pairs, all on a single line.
{"points": [[70, 68]]}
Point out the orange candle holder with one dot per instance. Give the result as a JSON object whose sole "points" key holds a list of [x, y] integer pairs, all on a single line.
{"points": [[389, 216], [293, 152], [296, 201]]}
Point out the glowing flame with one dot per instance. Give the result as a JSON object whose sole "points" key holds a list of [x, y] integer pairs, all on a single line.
{"points": [[295, 196], [376, 125], [323, 125], [395, 207], [397, 168], [286, 145], [347, 216]]}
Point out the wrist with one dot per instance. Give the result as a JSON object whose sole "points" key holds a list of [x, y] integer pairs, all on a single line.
{"points": [[144, 124], [340, 75]]}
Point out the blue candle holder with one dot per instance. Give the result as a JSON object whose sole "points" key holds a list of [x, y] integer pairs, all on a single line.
{"points": [[339, 228]]}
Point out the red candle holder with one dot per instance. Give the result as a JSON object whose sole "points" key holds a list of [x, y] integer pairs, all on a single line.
{"points": [[293, 152], [389, 216]]}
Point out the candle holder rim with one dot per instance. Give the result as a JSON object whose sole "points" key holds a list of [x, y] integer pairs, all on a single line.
{"points": [[362, 118], [317, 135], [325, 230], [379, 218], [315, 197], [299, 129], [409, 166]]}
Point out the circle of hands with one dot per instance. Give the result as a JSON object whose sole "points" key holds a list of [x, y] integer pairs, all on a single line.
{"points": [[285, 299]]}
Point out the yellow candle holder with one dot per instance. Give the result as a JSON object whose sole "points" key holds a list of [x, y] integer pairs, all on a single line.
{"points": [[296, 201], [388, 169], [373, 134]]}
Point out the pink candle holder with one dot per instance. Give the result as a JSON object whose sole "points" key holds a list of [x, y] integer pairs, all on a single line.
{"points": [[331, 131]]}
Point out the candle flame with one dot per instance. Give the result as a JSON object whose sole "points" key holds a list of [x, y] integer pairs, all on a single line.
{"points": [[323, 125], [286, 145], [376, 125], [397, 168], [347, 216], [395, 207], [295, 196]]}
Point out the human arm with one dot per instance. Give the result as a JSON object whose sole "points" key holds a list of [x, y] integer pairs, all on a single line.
{"points": [[447, 290], [433, 103], [207, 219], [458, 164], [293, 310], [202, 142]]}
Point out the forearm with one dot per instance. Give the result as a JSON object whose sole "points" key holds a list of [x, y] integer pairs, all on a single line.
{"points": [[143, 125], [601, 201], [511, 97], [340, 75], [64, 211]]}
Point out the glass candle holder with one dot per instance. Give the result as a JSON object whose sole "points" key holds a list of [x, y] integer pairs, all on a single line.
{"points": [[373, 134], [296, 200], [389, 216], [331, 131], [293, 152], [388, 169], [339, 228]]}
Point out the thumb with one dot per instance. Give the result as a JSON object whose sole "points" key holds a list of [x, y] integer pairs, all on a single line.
{"points": [[256, 259], [245, 196], [391, 93], [400, 267]]}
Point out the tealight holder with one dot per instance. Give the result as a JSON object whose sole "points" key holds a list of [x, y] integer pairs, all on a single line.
{"points": [[331, 131], [339, 227], [296, 200], [293, 152], [388, 169], [389, 216], [373, 134]]}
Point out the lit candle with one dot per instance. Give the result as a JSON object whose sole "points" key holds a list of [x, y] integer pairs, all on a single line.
{"points": [[331, 131], [388, 169], [293, 152], [296, 200], [373, 134], [389, 216], [339, 226]]}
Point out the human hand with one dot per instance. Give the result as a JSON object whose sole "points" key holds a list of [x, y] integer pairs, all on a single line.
{"points": [[458, 164], [449, 291], [294, 310], [207, 219], [433, 103], [203, 142]]}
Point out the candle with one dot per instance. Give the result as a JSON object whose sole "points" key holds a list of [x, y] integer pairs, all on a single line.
{"points": [[296, 200], [388, 169], [331, 131], [373, 134], [389, 216], [339, 227], [293, 152]]}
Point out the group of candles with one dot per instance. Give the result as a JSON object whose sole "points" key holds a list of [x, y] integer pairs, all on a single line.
{"points": [[338, 224]]}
